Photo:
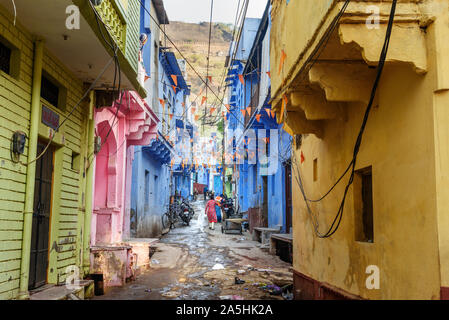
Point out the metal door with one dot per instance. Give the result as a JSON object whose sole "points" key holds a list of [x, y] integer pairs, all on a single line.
{"points": [[41, 218]]}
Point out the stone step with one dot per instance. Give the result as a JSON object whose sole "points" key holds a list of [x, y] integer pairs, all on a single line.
{"points": [[62, 292]]}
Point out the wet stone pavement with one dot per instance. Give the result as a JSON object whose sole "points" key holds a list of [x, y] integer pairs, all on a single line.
{"points": [[195, 263]]}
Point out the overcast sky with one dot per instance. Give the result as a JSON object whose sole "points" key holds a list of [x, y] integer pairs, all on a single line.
{"points": [[199, 10]]}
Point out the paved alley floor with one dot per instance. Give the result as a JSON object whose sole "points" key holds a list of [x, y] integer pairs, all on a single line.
{"points": [[195, 263]]}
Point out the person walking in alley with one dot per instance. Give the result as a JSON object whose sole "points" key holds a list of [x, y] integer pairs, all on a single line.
{"points": [[205, 193], [210, 212]]}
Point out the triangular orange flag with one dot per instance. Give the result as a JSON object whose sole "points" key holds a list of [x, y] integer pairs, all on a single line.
{"points": [[175, 79], [242, 80], [197, 117], [212, 110], [284, 104], [193, 110], [243, 112], [146, 78], [174, 88], [248, 110], [268, 112], [281, 63], [228, 106], [273, 115], [162, 102], [269, 74], [203, 100], [171, 116], [258, 117], [210, 79]]}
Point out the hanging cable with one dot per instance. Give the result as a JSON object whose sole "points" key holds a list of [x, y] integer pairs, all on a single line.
{"points": [[181, 54], [337, 220]]}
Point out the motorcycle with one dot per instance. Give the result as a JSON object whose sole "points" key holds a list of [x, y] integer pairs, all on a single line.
{"points": [[186, 212], [228, 208]]}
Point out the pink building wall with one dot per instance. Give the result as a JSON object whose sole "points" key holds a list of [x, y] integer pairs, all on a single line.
{"points": [[135, 124]]}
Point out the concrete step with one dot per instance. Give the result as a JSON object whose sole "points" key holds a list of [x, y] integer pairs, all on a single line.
{"points": [[54, 292]]}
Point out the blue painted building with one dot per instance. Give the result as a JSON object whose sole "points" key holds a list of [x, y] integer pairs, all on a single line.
{"points": [[176, 126], [156, 174], [262, 148], [150, 188]]}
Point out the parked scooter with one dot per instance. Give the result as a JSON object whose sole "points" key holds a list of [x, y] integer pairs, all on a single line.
{"points": [[186, 212], [228, 208]]}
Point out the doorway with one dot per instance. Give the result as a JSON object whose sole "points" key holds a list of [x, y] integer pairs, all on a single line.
{"points": [[288, 198], [41, 217], [265, 202]]}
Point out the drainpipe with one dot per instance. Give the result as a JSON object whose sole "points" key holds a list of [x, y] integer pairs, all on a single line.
{"points": [[89, 185], [31, 170]]}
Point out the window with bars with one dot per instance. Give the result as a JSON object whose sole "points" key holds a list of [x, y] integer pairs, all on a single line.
{"points": [[49, 91], [5, 58], [9, 58], [55, 93]]}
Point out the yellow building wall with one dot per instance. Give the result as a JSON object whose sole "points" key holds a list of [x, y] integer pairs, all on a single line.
{"points": [[15, 100], [398, 144], [405, 142], [304, 15]]}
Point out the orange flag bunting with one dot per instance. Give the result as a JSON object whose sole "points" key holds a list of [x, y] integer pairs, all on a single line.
{"points": [[197, 117], [228, 106], [175, 79], [282, 61], [203, 100], [273, 115], [210, 79], [146, 78], [268, 111], [242, 80], [258, 117], [162, 102], [171, 116], [174, 88], [284, 105], [248, 110], [269, 74], [193, 110], [212, 110], [243, 112]]}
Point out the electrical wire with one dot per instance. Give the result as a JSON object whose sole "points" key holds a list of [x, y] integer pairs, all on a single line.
{"points": [[338, 218], [180, 52], [70, 113]]}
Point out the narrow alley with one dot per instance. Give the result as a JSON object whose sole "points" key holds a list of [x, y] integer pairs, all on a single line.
{"points": [[195, 263], [224, 150]]}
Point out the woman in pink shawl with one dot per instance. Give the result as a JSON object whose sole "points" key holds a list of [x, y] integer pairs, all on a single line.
{"points": [[210, 212]]}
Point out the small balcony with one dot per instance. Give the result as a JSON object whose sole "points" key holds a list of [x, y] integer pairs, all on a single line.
{"points": [[84, 50]]}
